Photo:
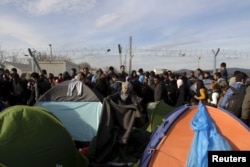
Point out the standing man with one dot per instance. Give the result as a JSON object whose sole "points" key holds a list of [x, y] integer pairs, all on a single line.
{"points": [[140, 75], [199, 73], [73, 73], [38, 89], [87, 73], [218, 78], [227, 102], [122, 74], [110, 73], [245, 113], [223, 70], [159, 89]]}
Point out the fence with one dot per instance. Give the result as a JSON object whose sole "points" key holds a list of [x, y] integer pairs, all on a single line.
{"points": [[148, 58]]}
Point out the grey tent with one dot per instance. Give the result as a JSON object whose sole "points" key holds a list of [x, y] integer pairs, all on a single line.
{"points": [[79, 112]]}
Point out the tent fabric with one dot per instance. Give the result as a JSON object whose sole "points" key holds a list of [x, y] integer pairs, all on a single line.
{"points": [[156, 111], [206, 138], [159, 134], [59, 93], [115, 128], [80, 114], [170, 145], [81, 119], [31, 136]]}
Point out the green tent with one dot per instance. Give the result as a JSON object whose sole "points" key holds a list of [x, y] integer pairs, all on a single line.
{"points": [[156, 112], [31, 136]]}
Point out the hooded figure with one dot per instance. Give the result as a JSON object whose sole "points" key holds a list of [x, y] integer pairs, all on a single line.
{"points": [[125, 96]]}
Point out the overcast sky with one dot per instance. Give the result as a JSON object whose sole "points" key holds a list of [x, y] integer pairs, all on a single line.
{"points": [[71, 24]]}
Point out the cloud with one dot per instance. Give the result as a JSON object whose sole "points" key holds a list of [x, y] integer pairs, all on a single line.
{"points": [[20, 31], [107, 19], [4, 2], [44, 7], [105, 23]]}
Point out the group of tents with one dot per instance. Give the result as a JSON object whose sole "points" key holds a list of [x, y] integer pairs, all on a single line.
{"points": [[52, 132]]}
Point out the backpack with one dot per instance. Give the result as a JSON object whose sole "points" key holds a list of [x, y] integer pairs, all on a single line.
{"points": [[234, 104]]}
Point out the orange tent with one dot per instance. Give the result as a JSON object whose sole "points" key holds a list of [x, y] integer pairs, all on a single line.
{"points": [[170, 143]]}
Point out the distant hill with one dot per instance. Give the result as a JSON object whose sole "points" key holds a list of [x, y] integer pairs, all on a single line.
{"points": [[245, 70], [229, 70]]}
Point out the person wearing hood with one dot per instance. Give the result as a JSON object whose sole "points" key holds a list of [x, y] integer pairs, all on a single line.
{"points": [[125, 96]]}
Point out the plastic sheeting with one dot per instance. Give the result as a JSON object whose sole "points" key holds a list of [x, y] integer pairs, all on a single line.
{"points": [[206, 138]]}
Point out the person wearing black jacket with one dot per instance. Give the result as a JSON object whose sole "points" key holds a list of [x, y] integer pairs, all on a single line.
{"points": [[39, 88]]}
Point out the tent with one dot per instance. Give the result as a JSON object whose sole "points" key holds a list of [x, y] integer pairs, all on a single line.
{"points": [[31, 136], [156, 111], [118, 139], [170, 143], [79, 113]]}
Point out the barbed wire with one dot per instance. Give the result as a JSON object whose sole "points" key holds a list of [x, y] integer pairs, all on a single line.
{"points": [[149, 58], [164, 52]]}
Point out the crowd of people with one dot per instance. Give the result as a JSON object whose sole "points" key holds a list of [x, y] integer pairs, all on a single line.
{"points": [[139, 87]]}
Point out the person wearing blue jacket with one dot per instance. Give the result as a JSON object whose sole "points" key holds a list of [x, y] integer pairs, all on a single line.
{"points": [[240, 82]]}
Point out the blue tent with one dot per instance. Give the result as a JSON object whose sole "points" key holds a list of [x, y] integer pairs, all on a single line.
{"points": [[79, 112]]}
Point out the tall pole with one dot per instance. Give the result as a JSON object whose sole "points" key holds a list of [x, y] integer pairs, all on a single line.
{"points": [[34, 59], [199, 58], [50, 46], [125, 60], [215, 57], [120, 53], [130, 54]]}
